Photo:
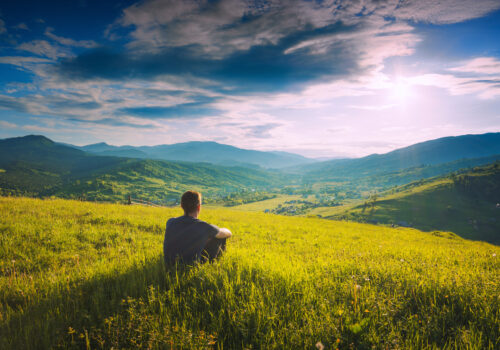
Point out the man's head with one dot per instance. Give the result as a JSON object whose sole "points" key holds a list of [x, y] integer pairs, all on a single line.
{"points": [[191, 202]]}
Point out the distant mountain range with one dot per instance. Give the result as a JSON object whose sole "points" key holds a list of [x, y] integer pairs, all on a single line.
{"points": [[35, 165], [38, 166], [197, 151], [429, 153]]}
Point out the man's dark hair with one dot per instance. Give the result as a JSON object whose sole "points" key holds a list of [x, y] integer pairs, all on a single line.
{"points": [[190, 201]]}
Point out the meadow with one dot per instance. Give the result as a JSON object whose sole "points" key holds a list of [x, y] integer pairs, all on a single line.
{"points": [[87, 275]]}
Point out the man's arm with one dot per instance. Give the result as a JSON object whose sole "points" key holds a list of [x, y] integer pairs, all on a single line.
{"points": [[223, 233]]}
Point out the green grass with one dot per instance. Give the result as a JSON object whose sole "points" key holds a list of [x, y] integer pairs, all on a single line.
{"points": [[85, 275]]}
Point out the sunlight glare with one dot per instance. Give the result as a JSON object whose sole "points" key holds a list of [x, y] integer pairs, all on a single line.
{"points": [[401, 90]]}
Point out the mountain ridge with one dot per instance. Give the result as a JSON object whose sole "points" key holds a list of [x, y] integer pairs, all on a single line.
{"points": [[35, 165], [437, 151], [202, 151]]}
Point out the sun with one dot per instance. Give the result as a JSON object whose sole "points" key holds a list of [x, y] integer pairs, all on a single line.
{"points": [[400, 90]]}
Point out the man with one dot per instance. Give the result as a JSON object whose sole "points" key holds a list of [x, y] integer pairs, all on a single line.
{"points": [[189, 239]]}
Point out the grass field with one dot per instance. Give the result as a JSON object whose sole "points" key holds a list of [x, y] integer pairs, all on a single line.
{"points": [[85, 275]]}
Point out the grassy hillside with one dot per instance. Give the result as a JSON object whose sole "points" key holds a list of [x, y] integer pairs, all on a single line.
{"points": [[465, 204], [87, 275]]}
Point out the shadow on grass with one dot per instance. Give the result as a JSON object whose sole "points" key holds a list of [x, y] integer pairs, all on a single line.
{"points": [[46, 322], [228, 305], [146, 305]]}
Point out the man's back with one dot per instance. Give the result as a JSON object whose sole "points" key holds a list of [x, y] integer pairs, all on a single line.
{"points": [[186, 237]]}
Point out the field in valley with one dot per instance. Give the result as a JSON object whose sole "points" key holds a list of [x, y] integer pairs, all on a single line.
{"points": [[86, 275]]}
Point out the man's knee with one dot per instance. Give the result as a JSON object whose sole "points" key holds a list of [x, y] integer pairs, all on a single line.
{"points": [[214, 248]]}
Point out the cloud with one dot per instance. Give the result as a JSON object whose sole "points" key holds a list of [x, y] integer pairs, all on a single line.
{"points": [[480, 65], [444, 11], [61, 103], [11, 103], [22, 60], [255, 130], [44, 48], [21, 26], [219, 28], [482, 78], [249, 46], [484, 88], [7, 125], [116, 122], [261, 131], [187, 110], [49, 32], [222, 27], [261, 69]]}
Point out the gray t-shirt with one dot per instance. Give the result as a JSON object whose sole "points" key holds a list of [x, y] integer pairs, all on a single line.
{"points": [[186, 237]]}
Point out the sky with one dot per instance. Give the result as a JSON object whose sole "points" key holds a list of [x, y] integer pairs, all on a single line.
{"points": [[318, 78]]}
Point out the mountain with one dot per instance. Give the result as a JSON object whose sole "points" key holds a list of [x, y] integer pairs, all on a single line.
{"points": [[466, 204], [443, 150], [197, 151], [39, 151], [35, 165]]}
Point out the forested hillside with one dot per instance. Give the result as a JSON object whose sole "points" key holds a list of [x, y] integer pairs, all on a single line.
{"points": [[466, 204]]}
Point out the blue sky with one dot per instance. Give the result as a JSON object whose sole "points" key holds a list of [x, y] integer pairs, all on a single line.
{"points": [[320, 78]]}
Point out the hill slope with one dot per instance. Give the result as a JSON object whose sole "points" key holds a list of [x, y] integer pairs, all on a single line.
{"points": [[87, 275], [196, 151], [35, 165], [465, 204]]}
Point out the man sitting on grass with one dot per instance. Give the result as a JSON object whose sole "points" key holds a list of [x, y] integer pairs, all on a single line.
{"points": [[188, 239]]}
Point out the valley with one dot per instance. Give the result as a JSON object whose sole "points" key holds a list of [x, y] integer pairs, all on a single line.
{"points": [[381, 189]]}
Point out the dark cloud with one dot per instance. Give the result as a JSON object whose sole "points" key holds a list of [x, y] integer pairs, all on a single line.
{"points": [[261, 68], [174, 112]]}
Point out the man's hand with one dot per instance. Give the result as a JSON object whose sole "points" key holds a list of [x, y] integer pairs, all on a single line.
{"points": [[223, 233]]}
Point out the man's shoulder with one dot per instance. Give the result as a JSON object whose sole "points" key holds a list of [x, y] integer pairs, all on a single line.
{"points": [[189, 220], [176, 220]]}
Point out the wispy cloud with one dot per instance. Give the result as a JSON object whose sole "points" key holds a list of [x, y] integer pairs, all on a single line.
{"points": [[49, 32], [21, 26], [6, 124], [482, 78], [443, 11], [44, 48], [22, 60], [480, 65]]}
